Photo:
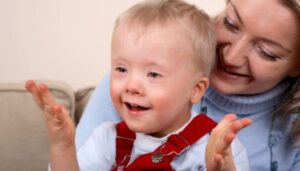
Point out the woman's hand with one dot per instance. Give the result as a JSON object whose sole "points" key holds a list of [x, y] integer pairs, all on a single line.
{"points": [[60, 126], [218, 151]]}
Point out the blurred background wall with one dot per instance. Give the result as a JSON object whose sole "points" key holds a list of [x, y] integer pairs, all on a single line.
{"points": [[65, 40]]}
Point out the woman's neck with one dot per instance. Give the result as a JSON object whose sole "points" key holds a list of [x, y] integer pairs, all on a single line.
{"points": [[247, 104]]}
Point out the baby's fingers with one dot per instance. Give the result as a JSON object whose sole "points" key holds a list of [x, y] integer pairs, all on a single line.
{"points": [[61, 113], [46, 96], [236, 126], [55, 115], [60, 126], [40, 93], [31, 86], [240, 124], [226, 122], [219, 159], [49, 114]]}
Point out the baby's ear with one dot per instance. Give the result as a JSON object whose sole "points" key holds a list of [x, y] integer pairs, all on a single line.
{"points": [[199, 89]]}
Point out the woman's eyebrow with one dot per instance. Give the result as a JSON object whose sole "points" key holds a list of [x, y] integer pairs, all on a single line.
{"points": [[236, 12]]}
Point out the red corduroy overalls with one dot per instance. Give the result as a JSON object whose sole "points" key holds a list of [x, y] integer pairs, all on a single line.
{"points": [[161, 157]]}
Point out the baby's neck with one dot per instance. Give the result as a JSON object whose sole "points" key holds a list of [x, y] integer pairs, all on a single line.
{"points": [[167, 132]]}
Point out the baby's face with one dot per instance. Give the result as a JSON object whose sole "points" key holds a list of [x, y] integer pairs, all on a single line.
{"points": [[152, 77]]}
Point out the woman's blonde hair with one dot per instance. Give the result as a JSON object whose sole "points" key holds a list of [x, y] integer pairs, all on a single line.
{"points": [[291, 102], [291, 106], [196, 24], [294, 4]]}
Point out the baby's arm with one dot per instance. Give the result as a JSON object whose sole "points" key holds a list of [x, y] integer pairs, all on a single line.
{"points": [[218, 151], [61, 129]]}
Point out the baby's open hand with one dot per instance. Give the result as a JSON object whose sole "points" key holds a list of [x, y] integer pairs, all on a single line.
{"points": [[218, 152], [60, 126]]}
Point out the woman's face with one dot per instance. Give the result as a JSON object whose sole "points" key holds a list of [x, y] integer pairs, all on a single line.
{"points": [[258, 46]]}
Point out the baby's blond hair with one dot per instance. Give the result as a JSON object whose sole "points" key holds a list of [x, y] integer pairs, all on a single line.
{"points": [[196, 24]]}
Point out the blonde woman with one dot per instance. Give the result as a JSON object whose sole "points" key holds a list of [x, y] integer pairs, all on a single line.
{"points": [[256, 75]]}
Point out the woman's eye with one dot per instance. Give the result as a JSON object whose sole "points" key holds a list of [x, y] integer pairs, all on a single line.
{"points": [[229, 24], [154, 74], [121, 69], [267, 54]]}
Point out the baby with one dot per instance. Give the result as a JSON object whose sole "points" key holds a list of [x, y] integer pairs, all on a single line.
{"points": [[162, 53]]}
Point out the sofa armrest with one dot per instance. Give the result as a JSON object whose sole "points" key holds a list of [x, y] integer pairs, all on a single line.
{"points": [[82, 97], [24, 140]]}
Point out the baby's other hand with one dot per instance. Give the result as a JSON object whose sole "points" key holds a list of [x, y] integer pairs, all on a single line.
{"points": [[218, 152]]}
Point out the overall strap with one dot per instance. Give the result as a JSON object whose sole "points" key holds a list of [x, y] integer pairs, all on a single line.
{"points": [[124, 143], [176, 144]]}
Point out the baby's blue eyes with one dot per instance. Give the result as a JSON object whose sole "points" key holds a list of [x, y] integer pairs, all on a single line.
{"points": [[121, 69], [154, 74], [149, 74]]}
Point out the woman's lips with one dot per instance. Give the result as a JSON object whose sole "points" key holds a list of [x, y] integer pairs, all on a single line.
{"points": [[234, 73], [229, 72]]}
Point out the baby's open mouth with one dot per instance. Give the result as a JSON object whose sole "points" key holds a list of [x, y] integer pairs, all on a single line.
{"points": [[136, 107]]}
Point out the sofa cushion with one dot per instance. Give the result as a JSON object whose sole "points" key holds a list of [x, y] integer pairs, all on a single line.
{"points": [[24, 139]]}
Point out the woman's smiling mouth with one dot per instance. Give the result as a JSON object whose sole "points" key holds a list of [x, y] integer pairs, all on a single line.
{"points": [[231, 72]]}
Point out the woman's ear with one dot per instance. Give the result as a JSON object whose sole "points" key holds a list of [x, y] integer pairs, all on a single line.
{"points": [[295, 73], [199, 89]]}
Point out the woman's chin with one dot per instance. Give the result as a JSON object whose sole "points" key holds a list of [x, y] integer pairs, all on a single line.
{"points": [[226, 85], [221, 89], [225, 88]]}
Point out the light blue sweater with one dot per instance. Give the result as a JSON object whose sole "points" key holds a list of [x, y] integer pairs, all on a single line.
{"points": [[267, 140]]}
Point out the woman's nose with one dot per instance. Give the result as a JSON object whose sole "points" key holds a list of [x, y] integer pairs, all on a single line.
{"points": [[236, 53]]}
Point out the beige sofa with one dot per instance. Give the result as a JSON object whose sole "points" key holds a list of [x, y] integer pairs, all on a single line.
{"points": [[23, 134]]}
